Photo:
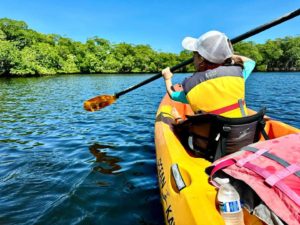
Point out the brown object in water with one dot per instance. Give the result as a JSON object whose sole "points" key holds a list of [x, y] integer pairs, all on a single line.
{"points": [[99, 102]]}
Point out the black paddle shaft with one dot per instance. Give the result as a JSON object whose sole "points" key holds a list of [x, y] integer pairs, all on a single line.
{"points": [[233, 41]]}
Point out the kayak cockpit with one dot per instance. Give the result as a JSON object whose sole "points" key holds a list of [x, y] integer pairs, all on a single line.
{"points": [[196, 202]]}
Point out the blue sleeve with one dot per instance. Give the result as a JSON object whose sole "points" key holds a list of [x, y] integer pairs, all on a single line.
{"points": [[179, 96], [248, 68]]}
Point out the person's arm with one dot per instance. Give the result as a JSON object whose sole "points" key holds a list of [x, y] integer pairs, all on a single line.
{"points": [[167, 74], [248, 64], [178, 96]]}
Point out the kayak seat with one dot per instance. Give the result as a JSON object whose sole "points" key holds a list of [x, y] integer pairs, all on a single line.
{"points": [[213, 136]]}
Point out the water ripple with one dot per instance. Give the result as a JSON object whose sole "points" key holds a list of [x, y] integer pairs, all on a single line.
{"points": [[62, 165]]}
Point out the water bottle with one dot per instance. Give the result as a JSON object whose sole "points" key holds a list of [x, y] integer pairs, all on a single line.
{"points": [[229, 203]]}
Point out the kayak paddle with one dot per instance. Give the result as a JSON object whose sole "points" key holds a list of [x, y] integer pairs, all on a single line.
{"points": [[102, 101]]}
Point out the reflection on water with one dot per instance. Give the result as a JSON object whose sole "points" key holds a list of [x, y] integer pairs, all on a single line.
{"points": [[105, 164]]}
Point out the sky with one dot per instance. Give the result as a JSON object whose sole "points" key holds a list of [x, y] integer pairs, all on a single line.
{"points": [[162, 24]]}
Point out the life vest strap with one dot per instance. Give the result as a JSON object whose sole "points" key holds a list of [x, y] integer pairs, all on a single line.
{"points": [[272, 157], [280, 184], [243, 161], [229, 108], [222, 165], [241, 105], [281, 174]]}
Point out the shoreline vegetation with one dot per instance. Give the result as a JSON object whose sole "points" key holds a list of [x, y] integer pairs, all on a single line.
{"points": [[25, 52]]}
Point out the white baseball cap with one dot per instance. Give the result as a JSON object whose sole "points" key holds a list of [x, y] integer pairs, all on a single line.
{"points": [[214, 46]]}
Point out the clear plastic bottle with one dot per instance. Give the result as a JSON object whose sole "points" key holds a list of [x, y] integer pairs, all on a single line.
{"points": [[229, 203]]}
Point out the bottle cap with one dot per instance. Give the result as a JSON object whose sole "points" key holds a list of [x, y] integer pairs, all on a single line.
{"points": [[221, 181]]}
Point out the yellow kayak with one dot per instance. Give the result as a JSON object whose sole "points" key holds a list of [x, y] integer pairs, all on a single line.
{"points": [[196, 202]]}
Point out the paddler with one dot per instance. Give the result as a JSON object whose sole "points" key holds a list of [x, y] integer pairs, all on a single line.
{"points": [[218, 85]]}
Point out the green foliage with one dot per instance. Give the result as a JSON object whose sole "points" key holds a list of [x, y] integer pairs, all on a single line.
{"points": [[291, 57], [2, 35], [26, 52], [271, 52], [183, 56], [250, 50], [9, 56], [40, 58], [144, 59], [68, 65]]}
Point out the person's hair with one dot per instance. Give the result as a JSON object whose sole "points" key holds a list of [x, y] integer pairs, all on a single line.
{"points": [[236, 62], [204, 64]]}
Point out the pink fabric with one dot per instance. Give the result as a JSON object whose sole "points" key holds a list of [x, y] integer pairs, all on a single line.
{"points": [[284, 197], [241, 162], [281, 174], [289, 192], [222, 165], [280, 185]]}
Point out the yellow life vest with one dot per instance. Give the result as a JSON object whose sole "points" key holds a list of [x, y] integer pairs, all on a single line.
{"points": [[219, 91]]}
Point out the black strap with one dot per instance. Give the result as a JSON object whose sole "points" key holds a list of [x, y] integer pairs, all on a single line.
{"points": [[262, 125], [265, 135]]}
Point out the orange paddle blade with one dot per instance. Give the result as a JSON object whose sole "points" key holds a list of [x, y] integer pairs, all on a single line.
{"points": [[99, 102]]}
